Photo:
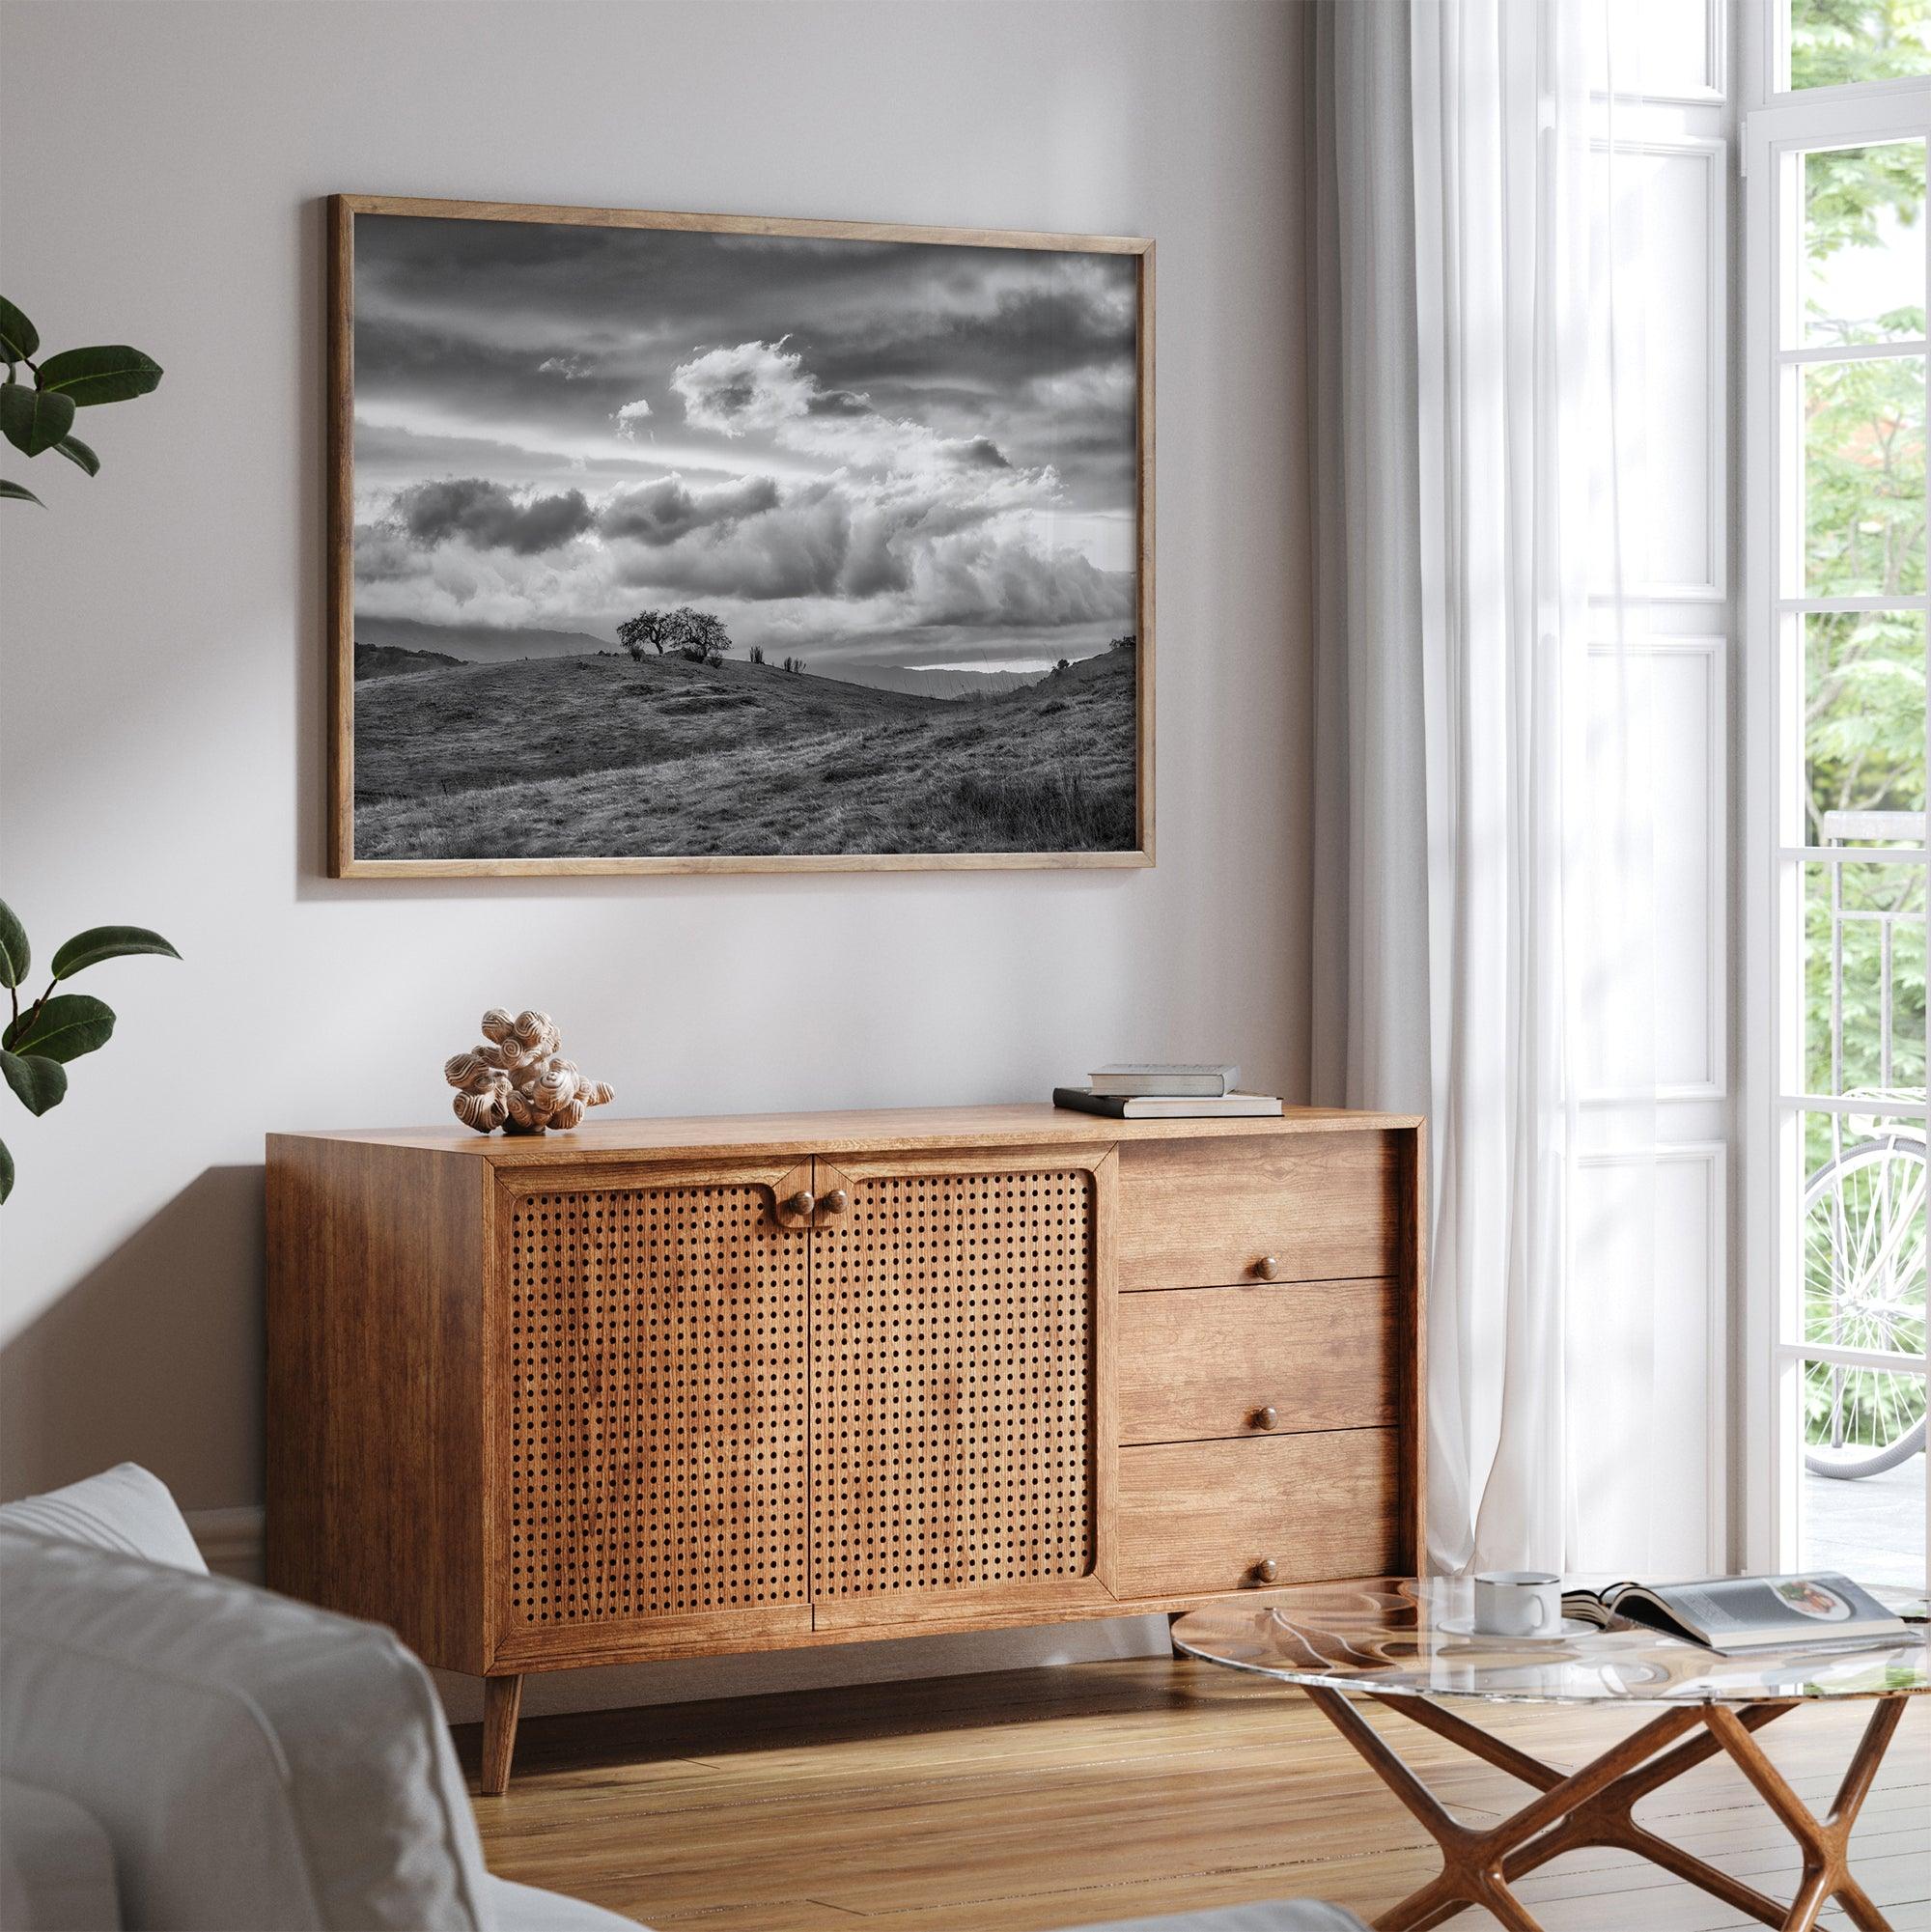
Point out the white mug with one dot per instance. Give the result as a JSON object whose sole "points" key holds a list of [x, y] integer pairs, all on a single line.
{"points": [[1518, 1603]]}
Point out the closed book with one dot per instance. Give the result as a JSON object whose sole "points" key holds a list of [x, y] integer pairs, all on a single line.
{"points": [[1169, 1106], [1151, 1076]]}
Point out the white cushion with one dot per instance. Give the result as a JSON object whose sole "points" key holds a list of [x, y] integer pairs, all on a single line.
{"points": [[56, 1865], [123, 1508], [255, 1763]]}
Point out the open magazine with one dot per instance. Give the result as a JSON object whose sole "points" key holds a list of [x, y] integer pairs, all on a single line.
{"points": [[1739, 1614]]}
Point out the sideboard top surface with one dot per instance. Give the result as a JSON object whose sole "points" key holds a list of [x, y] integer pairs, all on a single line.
{"points": [[1021, 1123]]}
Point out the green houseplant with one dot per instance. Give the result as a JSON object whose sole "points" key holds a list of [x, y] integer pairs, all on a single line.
{"points": [[41, 1038]]}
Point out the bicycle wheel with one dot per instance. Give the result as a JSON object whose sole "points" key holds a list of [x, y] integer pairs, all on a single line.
{"points": [[1863, 1288]]}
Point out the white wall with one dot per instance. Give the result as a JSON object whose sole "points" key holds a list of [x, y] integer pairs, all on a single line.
{"points": [[161, 702]]}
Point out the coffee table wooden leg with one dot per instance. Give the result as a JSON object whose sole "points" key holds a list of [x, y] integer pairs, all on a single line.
{"points": [[1474, 1862], [1826, 1843], [1593, 1807], [1857, 1902], [1606, 1820], [1477, 1742]]}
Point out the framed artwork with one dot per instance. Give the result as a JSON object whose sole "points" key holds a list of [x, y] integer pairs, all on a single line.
{"points": [[673, 543]]}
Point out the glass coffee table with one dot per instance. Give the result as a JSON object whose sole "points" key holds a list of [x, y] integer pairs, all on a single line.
{"points": [[1407, 1645]]}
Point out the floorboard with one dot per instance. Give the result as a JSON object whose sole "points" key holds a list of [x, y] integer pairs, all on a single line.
{"points": [[1030, 1801]]}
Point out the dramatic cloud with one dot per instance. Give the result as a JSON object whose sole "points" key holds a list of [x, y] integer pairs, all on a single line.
{"points": [[761, 385], [798, 553], [854, 447], [1014, 584], [663, 512], [982, 453], [487, 516], [755, 386], [384, 555]]}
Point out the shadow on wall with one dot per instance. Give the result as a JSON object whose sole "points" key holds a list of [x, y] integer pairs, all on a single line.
{"points": [[154, 1356]]}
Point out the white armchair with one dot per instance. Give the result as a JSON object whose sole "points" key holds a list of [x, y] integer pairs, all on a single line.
{"points": [[184, 1750]]}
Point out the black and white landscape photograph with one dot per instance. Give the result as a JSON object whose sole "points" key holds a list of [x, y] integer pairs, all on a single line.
{"points": [[690, 543]]}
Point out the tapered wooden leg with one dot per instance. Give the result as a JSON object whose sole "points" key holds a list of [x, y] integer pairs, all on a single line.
{"points": [[502, 1700]]}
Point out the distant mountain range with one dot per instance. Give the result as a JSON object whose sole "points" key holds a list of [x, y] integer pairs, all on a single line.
{"points": [[475, 643], [948, 684], [388, 645], [392, 660]]}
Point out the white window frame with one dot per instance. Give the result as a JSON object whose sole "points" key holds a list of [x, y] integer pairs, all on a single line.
{"points": [[1777, 122], [1770, 65]]}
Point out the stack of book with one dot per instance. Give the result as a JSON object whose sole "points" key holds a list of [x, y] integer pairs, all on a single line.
{"points": [[1132, 1091]]}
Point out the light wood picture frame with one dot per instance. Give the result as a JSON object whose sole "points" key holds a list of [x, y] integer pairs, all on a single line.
{"points": [[681, 542]]}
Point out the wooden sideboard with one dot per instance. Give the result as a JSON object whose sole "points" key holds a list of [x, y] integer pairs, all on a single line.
{"points": [[665, 1388]]}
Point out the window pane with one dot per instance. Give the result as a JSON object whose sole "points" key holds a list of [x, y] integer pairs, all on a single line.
{"points": [[1834, 43], [1863, 977], [1864, 243], [1863, 1252], [1863, 728], [1863, 1482], [1863, 477]]}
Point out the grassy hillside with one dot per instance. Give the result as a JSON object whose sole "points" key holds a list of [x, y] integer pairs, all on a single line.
{"points": [[387, 660], [597, 756]]}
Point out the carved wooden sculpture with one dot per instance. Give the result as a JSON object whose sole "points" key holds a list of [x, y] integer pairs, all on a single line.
{"points": [[518, 1079]]}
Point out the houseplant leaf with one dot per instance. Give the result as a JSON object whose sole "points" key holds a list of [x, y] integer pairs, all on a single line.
{"points": [[107, 943], [40, 1083], [18, 337], [5, 1171], [62, 1028], [78, 451], [14, 493], [33, 420], [110, 373], [15, 955]]}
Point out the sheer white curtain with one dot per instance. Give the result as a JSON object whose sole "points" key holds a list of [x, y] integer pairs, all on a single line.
{"points": [[1482, 846]]}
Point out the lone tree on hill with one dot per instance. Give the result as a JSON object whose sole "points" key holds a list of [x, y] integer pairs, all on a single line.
{"points": [[698, 635], [649, 629], [695, 635]]}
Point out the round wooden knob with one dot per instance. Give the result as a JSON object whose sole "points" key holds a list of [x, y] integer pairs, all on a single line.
{"points": [[1266, 1418], [834, 1202], [1266, 1570], [801, 1203], [1266, 1268]]}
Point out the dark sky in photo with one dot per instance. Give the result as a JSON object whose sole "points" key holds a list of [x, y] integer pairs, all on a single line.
{"points": [[860, 451]]}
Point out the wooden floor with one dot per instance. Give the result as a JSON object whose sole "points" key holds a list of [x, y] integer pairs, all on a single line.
{"points": [[1040, 1799]]}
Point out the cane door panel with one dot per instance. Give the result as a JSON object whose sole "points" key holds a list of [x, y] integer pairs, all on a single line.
{"points": [[958, 1447], [653, 1471]]}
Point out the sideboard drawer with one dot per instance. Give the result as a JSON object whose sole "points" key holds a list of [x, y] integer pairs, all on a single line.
{"points": [[1303, 1207], [1200, 1517], [1268, 1357]]}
